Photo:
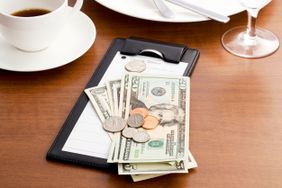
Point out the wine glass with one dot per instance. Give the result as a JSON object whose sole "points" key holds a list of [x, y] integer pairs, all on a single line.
{"points": [[250, 41]]}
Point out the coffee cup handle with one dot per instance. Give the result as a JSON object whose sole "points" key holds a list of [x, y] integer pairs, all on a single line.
{"points": [[77, 6]]}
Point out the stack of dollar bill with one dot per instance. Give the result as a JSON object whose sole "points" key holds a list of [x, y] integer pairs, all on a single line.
{"points": [[167, 99]]}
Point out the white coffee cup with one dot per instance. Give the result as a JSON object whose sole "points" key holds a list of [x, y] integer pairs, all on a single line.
{"points": [[36, 32]]}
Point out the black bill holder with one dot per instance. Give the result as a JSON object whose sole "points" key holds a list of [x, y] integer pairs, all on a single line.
{"points": [[169, 52]]}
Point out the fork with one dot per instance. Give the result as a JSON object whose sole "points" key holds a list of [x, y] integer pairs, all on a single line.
{"points": [[163, 9]]}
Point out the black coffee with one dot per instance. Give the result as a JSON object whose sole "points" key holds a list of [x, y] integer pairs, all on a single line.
{"points": [[31, 12]]}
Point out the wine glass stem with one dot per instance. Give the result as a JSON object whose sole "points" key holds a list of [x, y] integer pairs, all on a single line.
{"points": [[251, 26]]}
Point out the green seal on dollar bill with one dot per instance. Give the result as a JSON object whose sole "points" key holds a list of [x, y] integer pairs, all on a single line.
{"points": [[156, 143]]}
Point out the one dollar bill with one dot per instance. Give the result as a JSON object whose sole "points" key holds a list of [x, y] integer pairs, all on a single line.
{"points": [[99, 98]]}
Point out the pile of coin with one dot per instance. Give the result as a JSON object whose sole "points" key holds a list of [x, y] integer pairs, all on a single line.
{"points": [[150, 121], [135, 126]]}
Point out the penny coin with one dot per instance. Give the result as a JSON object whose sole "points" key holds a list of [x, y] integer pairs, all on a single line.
{"points": [[150, 122], [135, 66], [129, 132], [114, 124], [135, 120], [142, 111], [155, 114], [141, 136]]}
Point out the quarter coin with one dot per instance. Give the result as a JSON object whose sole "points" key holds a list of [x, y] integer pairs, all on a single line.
{"points": [[142, 111], [141, 137], [135, 120], [135, 66], [129, 132], [114, 124], [150, 122]]}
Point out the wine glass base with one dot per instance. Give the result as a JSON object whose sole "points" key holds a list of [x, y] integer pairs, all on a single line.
{"points": [[237, 42]]}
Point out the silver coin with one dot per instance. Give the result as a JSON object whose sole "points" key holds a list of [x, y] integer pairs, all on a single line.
{"points": [[129, 132], [141, 136], [135, 66], [114, 124], [135, 120]]}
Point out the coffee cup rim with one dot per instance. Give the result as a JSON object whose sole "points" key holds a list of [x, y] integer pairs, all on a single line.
{"points": [[36, 17]]}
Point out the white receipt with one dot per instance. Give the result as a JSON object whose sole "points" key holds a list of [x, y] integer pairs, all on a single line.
{"points": [[88, 137]]}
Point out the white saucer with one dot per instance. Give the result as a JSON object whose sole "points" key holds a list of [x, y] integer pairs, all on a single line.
{"points": [[76, 38]]}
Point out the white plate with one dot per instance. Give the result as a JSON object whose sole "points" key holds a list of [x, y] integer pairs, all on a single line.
{"points": [[77, 37], [146, 9]]}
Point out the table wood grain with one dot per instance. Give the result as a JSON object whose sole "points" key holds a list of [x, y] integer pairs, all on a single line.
{"points": [[236, 109]]}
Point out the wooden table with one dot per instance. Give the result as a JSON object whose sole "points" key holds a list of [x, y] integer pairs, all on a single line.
{"points": [[236, 109]]}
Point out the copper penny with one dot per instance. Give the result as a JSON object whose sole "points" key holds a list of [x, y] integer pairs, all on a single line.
{"points": [[142, 111], [150, 122]]}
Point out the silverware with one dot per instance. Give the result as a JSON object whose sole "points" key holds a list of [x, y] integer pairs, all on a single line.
{"points": [[163, 8], [208, 13]]}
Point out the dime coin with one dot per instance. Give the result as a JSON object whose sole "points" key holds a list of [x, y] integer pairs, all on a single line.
{"points": [[141, 136], [135, 120], [142, 111], [150, 122], [135, 66], [129, 132], [114, 124]]}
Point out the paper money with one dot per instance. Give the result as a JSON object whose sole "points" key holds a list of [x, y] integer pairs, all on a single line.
{"points": [[164, 98], [99, 98], [151, 168], [113, 88], [141, 177], [167, 97], [114, 148], [156, 168]]}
